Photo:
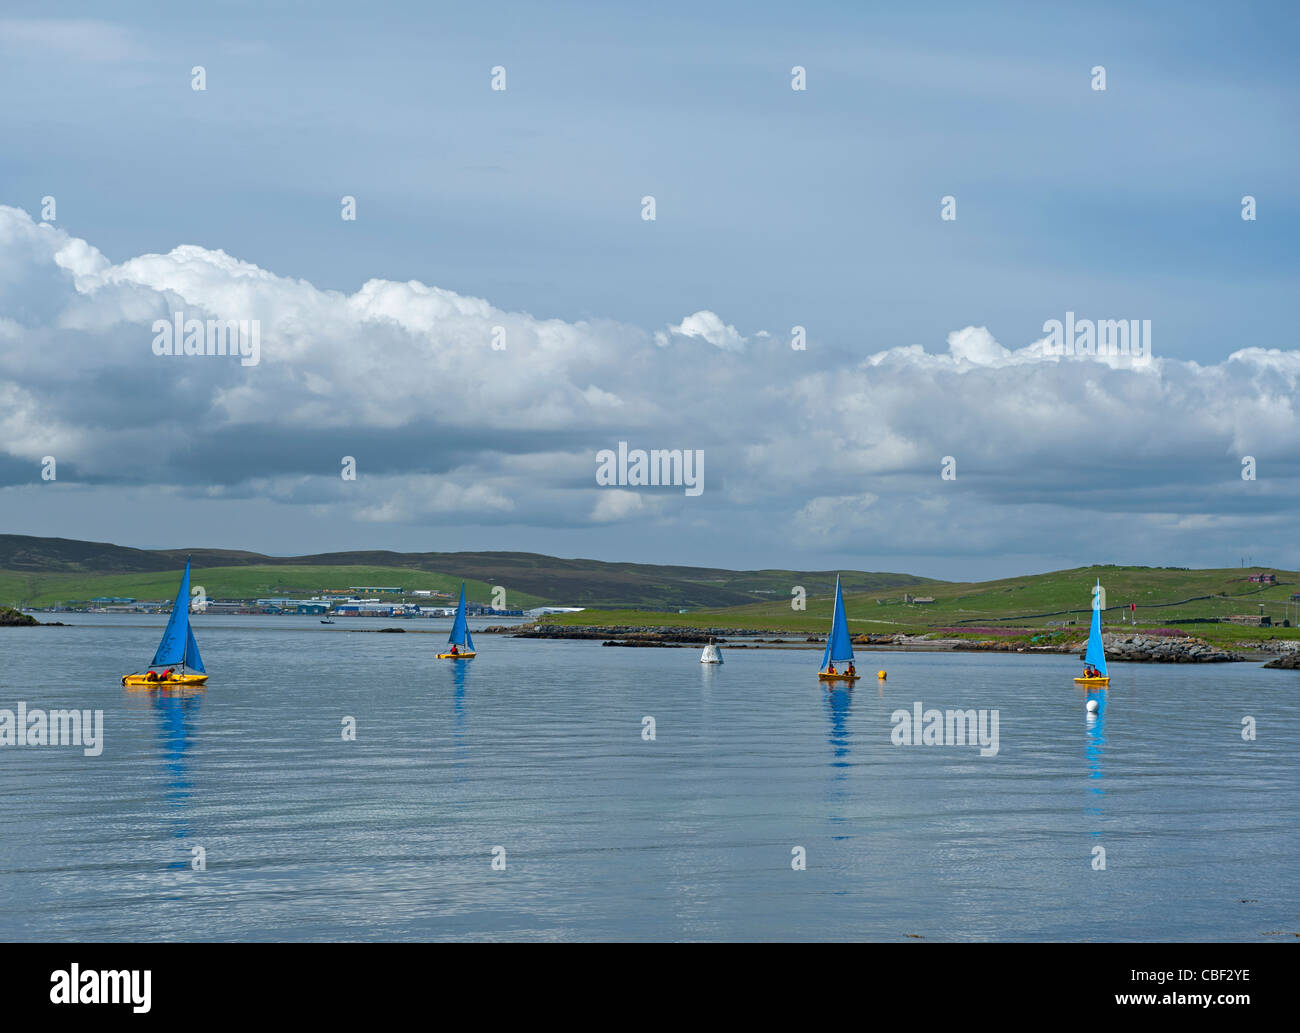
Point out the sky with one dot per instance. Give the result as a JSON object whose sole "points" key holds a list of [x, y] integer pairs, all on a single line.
{"points": [[501, 310]]}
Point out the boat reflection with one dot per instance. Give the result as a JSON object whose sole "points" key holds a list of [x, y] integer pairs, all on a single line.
{"points": [[176, 710], [459, 681], [1095, 749], [837, 702]]}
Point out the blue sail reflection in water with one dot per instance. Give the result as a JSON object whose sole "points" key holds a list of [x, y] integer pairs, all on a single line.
{"points": [[176, 713], [459, 681], [1095, 750], [837, 703]]}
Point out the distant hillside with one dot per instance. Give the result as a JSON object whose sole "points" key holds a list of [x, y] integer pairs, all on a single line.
{"points": [[66, 556], [1161, 594], [38, 571]]}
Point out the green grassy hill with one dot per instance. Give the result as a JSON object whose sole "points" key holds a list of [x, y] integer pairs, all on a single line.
{"points": [[1162, 595], [45, 571], [41, 571]]}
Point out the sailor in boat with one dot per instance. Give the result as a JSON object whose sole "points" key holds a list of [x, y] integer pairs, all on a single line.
{"points": [[454, 650], [830, 669], [852, 672], [1090, 672]]}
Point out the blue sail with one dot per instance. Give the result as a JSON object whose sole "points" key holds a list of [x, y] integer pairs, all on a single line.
{"points": [[839, 648], [192, 659], [1096, 654], [178, 641], [460, 630]]}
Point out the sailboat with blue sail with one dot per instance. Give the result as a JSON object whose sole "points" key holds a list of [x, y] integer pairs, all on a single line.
{"points": [[178, 649], [839, 646], [1094, 660], [462, 645]]}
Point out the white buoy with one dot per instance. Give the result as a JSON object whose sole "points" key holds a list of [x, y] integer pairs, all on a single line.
{"points": [[1092, 706]]}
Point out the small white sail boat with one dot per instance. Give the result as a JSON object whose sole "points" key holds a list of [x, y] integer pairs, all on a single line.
{"points": [[711, 654]]}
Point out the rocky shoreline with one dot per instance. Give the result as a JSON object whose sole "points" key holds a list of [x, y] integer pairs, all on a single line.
{"points": [[1132, 648], [631, 632], [1135, 648], [1152, 649], [10, 618]]}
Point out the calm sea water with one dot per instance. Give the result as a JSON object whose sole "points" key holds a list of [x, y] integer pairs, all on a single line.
{"points": [[537, 747]]}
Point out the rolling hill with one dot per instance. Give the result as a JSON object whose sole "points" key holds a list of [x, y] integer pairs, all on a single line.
{"points": [[45, 571], [41, 571], [1163, 595]]}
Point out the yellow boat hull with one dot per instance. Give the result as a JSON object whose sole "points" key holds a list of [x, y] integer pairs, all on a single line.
{"points": [[837, 677], [1093, 681], [175, 679], [457, 656]]}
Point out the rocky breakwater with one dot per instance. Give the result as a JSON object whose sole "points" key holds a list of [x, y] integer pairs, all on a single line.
{"points": [[1135, 648], [898, 639], [1162, 650], [627, 634], [1289, 661]]}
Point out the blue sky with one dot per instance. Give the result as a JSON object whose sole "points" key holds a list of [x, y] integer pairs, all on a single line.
{"points": [[774, 207], [818, 208]]}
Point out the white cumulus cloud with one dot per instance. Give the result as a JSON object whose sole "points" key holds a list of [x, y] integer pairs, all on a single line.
{"points": [[1055, 456]]}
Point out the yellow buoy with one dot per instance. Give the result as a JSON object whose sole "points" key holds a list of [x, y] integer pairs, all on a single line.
{"points": [[881, 675]]}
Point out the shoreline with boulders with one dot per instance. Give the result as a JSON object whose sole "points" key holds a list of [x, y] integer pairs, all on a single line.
{"points": [[1134, 647]]}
